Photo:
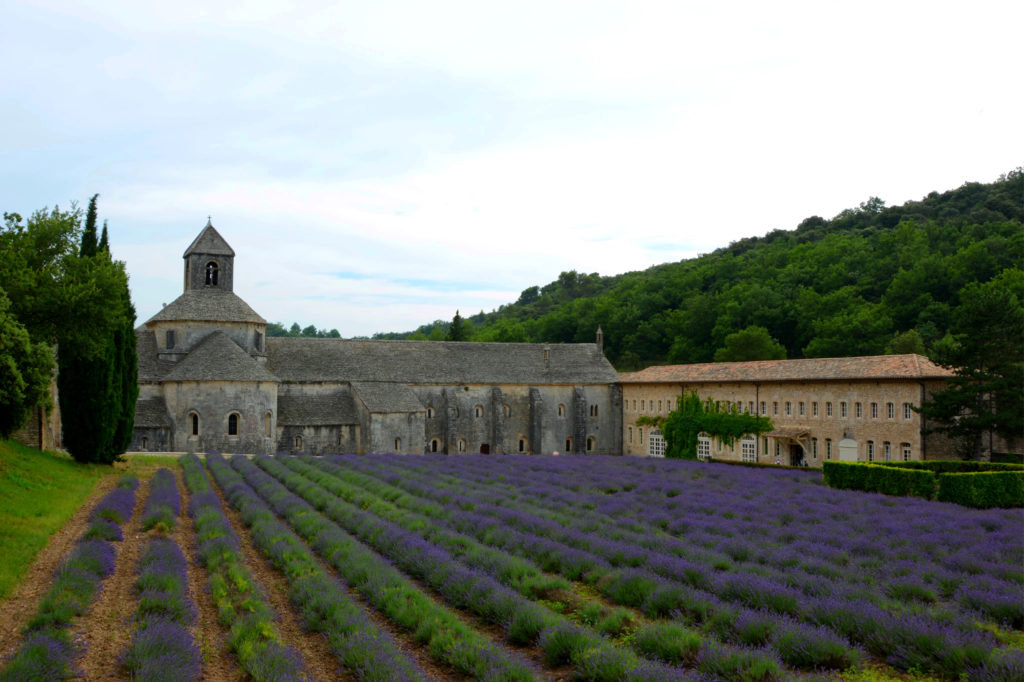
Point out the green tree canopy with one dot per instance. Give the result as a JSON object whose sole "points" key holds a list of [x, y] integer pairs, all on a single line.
{"points": [[752, 343], [26, 368], [458, 330]]}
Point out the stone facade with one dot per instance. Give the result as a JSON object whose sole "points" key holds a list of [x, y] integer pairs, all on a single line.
{"points": [[210, 379], [859, 409]]}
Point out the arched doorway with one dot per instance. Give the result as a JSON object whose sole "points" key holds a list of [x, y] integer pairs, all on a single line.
{"points": [[485, 448]]}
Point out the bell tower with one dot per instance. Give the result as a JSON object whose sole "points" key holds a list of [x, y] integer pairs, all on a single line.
{"points": [[209, 262]]}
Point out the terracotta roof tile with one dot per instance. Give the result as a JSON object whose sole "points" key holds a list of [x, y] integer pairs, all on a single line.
{"points": [[809, 369]]}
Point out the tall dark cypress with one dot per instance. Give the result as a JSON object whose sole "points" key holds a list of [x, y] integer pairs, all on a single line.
{"points": [[89, 246], [104, 246]]}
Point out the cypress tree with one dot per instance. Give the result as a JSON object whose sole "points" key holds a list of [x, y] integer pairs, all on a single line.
{"points": [[104, 246], [88, 247], [457, 330]]}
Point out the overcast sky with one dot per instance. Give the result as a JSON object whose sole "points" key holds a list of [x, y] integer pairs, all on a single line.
{"points": [[377, 165]]}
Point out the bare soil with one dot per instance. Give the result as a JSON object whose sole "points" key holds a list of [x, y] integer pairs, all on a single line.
{"points": [[23, 602]]}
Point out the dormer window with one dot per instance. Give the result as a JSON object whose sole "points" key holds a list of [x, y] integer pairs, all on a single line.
{"points": [[211, 274]]}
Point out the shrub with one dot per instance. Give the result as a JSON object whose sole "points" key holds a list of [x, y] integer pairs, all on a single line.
{"points": [[983, 489]]}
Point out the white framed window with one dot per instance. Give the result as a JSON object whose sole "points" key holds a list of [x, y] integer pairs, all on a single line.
{"points": [[842, 410], [890, 410], [775, 408], [703, 447], [748, 449], [887, 451], [656, 447], [828, 448], [764, 408], [874, 410], [801, 408], [905, 449], [857, 411], [789, 409], [907, 412], [814, 408], [828, 409], [871, 451]]}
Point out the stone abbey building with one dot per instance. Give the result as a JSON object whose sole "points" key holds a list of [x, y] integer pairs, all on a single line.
{"points": [[209, 378]]}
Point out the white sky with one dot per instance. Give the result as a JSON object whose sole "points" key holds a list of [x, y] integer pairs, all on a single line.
{"points": [[377, 165]]}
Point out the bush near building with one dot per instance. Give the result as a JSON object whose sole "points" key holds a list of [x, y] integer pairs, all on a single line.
{"points": [[973, 484]]}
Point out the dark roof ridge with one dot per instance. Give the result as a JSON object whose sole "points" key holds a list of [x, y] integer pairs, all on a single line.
{"points": [[210, 241], [217, 358]]}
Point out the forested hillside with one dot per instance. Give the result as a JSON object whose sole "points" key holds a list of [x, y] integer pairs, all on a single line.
{"points": [[871, 280]]}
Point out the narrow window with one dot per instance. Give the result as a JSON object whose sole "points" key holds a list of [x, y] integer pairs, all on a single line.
{"points": [[257, 341], [170, 339], [907, 412], [430, 412], [775, 408], [433, 445], [593, 410], [298, 442], [659, 406], [266, 424], [814, 409], [814, 448], [789, 409], [750, 407], [828, 448], [462, 445], [398, 445], [634, 406], [590, 444], [507, 410], [887, 451], [871, 451], [640, 435], [890, 409], [802, 411], [478, 411], [631, 434], [568, 444], [874, 410], [642, 408], [766, 446], [522, 445], [828, 409], [764, 408], [905, 448], [145, 443], [341, 439], [195, 424], [842, 410], [856, 410], [211, 274], [561, 409], [232, 424]]}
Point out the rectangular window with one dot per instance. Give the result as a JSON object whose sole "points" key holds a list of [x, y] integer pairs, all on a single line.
{"points": [[857, 411], [766, 446], [764, 408], [907, 412], [659, 406], [640, 433], [814, 448], [789, 409], [634, 406], [874, 410], [631, 434], [747, 450], [890, 409], [643, 406], [887, 451], [802, 411], [842, 410], [828, 448], [750, 407], [814, 409], [905, 447], [828, 409], [657, 448], [871, 451], [775, 408], [703, 448], [778, 449], [170, 338]]}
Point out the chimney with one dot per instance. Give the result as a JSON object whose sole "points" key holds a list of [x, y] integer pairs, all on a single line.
{"points": [[600, 341]]}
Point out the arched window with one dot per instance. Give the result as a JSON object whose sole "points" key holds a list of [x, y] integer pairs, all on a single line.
{"points": [[433, 444], [233, 424], [430, 411], [266, 423], [506, 409], [462, 445], [568, 444], [591, 443], [522, 444], [561, 410], [478, 411], [298, 442], [211, 274], [398, 445], [145, 443], [194, 418]]}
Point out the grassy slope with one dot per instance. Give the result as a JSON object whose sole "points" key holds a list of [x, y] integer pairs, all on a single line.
{"points": [[39, 492]]}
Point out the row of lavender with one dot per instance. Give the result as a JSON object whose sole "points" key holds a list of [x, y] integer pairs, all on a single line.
{"points": [[162, 647], [529, 506], [47, 652]]}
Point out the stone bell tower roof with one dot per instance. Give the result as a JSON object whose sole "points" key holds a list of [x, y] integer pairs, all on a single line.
{"points": [[210, 243]]}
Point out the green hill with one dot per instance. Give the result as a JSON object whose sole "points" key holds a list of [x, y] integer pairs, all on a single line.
{"points": [[870, 280]]}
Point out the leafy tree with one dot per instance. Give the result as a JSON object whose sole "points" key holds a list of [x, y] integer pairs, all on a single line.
{"points": [[458, 330], [694, 416], [26, 368], [752, 343], [902, 343], [986, 395], [295, 330]]}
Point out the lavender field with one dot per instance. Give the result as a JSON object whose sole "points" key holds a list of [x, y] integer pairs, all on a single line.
{"points": [[557, 568]]}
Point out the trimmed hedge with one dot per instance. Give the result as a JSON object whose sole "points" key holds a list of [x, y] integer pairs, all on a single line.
{"points": [[877, 478], [984, 489], [982, 485], [1008, 457]]}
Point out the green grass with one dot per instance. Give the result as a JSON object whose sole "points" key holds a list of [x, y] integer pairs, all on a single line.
{"points": [[39, 492]]}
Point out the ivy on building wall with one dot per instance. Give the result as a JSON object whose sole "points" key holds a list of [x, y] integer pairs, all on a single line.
{"points": [[694, 416]]}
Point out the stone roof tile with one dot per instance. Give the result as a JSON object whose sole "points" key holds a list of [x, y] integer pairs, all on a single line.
{"points": [[436, 362], [809, 369], [316, 410], [210, 242], [151, 413], [207, 305], [151, 367], [218, 358], [383, 397]]}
